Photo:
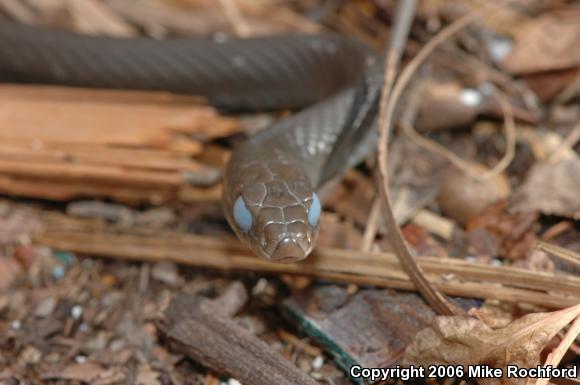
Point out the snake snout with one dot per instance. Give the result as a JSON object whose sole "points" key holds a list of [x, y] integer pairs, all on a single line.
{"points": [[288, 251]]}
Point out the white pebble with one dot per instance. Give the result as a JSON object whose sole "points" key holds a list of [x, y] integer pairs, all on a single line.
{"points": [[76, 312], [231, 381], [317, 362], [470, 258], [80, 359], [496, 262], [470, 97], [499, 48]]}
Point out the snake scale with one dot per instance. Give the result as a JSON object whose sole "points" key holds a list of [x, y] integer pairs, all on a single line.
{"points": [[270, 183]]}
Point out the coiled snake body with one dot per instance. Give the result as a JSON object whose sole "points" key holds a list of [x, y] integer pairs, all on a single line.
{"points": [[269, 186]]}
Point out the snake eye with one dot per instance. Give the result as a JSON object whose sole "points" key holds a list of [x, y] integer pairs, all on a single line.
{"points": [[242, 215], [314, 212]]}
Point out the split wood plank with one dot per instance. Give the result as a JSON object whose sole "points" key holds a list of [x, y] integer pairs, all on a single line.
{"points": [[62, 143]]}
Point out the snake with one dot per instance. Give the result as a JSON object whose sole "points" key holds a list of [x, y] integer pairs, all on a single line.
{"points": [[330, 82]]}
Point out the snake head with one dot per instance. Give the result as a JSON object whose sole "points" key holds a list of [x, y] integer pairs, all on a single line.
{"points": [[276, 213]]}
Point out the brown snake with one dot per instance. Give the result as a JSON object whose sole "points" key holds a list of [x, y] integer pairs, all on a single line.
{"points": [[269, 192], [269, 186]]}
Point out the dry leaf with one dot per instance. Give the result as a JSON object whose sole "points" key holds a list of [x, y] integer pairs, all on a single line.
{"points": [[510, 235], [147, 376], [547, 85], [547, 43], [551, 189], [555, 357], [466, 341], [86, 373]]}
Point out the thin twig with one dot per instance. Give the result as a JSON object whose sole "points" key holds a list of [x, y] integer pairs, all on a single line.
{"points": [[570, 91], [235, 17], [387, 109], [559, 252], [372, 226], [404, 18], [466, 166], [453, 277], [298, 343], [570, 141], [557, 354]]}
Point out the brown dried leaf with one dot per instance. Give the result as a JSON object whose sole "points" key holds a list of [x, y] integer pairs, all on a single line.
{"points": [[422, 242], [546, 43], [547, 85], [86, 372], [466, 341], [338, 233], [551, 189], [353, 197], [147, 376], [511, 235]]}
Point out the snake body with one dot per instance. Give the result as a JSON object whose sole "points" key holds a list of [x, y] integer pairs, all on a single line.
{"points": [[269, 186]]}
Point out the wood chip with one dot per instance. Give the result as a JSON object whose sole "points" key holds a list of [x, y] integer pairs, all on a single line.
{"points": [[194, 326]]}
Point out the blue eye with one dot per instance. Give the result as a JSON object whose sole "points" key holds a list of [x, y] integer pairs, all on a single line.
{"points": [[242, 215], [314, 212]]}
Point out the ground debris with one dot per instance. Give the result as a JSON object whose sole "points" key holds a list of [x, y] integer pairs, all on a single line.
{"points": [[196, 327], [537, 193], [534, 48], [463, 197], [134, 177], [467, 341], [390, 320], [511, 235], [86, 372]]}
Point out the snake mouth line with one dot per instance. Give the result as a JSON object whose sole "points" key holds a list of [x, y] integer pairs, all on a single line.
{"points": [[289, 250]]}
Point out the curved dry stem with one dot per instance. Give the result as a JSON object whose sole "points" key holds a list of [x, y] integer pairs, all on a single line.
{"points": [[387, 108]]}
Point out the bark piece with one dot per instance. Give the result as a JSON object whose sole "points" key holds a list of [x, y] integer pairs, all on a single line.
{"points": [[197, 327], [371, 328]]}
